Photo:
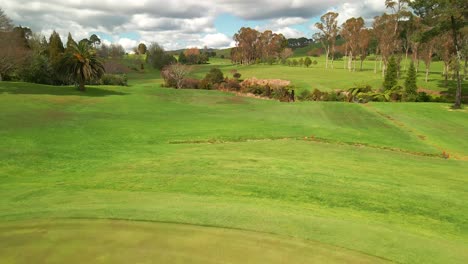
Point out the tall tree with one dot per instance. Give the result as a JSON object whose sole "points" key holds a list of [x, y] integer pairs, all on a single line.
{"points": [[426, 53], [411, 87], [444, 48], [5, 22], [384, 30], [56, 48], [81, 64], [442, 16], [328, 31], [70, 41], [391, 75], [351, 31]]}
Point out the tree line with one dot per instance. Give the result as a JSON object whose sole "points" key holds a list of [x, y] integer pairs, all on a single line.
{"points": [[420, 29]]}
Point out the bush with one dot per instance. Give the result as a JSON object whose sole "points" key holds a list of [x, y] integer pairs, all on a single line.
{"points": [[189, 83], [205, 84], [233, 85], [305, 95], [214, 76], [114, 79]]}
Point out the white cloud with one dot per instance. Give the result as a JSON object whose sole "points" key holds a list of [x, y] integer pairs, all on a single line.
{"points": [[177, 23]]}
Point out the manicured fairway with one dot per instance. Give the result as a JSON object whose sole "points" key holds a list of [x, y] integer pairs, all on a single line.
{"points": [[112, 241], [326, 181]]}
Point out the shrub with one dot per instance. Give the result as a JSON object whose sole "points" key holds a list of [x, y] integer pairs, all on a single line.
{"points": [[422, 97], [114, 79], [233, 85], [391, 77], [305, 95], [189, 83], [214, 76], [205, 84]]}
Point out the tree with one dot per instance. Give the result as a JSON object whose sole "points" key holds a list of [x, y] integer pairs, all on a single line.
{"points": [[81, 64], [142, 48], [351, 32], [215, 76], [70, 41], [286, 54], [12, 53], [445, 16], [384, 31], [5, 22], [307, 62], [426, 53], [94, 40], [116, 51], [410, 82], [444, 48], [182, 58], [329, 30], [176, 73], [157, 57], [391, 75], [56, 50]]}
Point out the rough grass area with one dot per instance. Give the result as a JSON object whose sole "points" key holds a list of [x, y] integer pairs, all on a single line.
{"points": [[352, 178]]}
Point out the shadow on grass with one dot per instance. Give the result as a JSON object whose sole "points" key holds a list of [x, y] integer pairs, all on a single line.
{"points": [[32, 88]]}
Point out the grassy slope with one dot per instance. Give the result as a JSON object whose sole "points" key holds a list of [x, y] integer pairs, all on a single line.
{"points": [[108, 154], [140, 242]]}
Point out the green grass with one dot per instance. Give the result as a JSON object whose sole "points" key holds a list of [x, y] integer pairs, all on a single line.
{"points": [[140, 242], [332, 180], [323, 79]]}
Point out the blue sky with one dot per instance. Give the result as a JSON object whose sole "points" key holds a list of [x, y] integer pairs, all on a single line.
{"points": [[180, 23]]}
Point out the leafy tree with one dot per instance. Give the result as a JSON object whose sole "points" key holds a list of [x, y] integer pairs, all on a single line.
{"points": [[157, 57], [56, 48], [215, 76], [391, 75], [142, 49], [307, 62], [81, 64], [94, 40], [410, 82], [70, 41], [182, 58], [5, 22], [328, 31], [444, 16]]}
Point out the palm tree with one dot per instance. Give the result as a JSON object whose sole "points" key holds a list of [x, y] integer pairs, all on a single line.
{"points": [[81, 64]]}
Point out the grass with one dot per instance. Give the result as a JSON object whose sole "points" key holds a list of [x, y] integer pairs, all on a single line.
{"points": [[326, 181], [317, 77], [159, 243]]}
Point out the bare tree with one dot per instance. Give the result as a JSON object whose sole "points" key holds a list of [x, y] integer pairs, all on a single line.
{"points": [[175, 74], [5, 22], [329, 30]]}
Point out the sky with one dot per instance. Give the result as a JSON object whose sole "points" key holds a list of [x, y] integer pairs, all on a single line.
{"points": [[177, 24]]}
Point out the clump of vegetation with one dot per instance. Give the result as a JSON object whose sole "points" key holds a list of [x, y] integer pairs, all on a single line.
{"points": [[391, 75]]}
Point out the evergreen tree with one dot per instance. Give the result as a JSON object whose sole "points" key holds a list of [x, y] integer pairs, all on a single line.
{"points": [[391, 75], [56, 49], [70, 41], [410, 82]]}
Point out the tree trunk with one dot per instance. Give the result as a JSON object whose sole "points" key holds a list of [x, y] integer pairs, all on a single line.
{"points": [[362, 61], [458, 94], [375, 65], [350, 59], [427, 72], [446, 68], [1, 78], [326, 58], [82, 87]]}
